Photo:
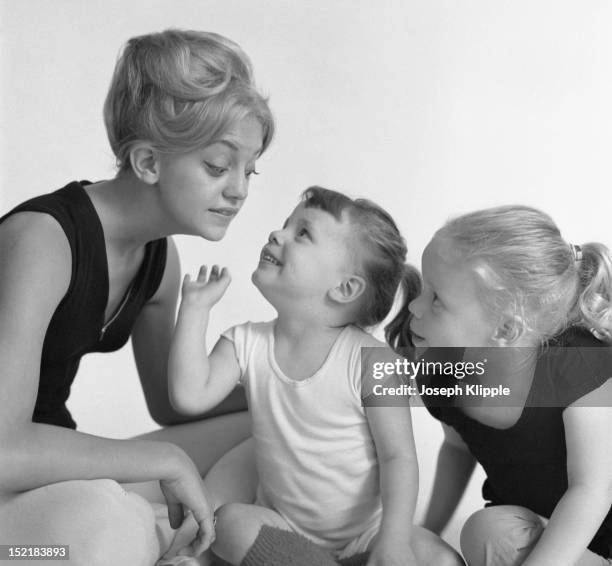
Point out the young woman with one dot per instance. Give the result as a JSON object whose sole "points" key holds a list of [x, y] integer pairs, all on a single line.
{"points": [[88, 266]]}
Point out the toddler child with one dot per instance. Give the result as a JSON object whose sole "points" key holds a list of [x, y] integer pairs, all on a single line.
{"points": [[331, 472]]}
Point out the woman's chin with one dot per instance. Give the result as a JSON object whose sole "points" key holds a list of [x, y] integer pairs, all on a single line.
{"points": [[213, 234]]}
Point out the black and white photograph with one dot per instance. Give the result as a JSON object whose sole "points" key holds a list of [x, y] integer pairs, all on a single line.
{"points": [[296, 283]]}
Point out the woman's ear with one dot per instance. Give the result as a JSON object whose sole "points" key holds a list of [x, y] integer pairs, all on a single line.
{"points": [[145, 162], [511, 328], [348, 290]]}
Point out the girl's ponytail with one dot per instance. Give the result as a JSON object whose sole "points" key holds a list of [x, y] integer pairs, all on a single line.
{"points": [[594, 302], [397, 332]]}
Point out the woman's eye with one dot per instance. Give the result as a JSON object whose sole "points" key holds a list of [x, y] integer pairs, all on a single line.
{"points": [[215, 170], [251, 172]]}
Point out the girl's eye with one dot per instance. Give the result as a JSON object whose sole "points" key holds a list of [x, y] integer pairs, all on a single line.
{"points": [[251, 172], [215, 170]]}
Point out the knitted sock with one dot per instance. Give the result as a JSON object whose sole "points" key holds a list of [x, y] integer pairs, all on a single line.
{"points": [[275, 547], [360, 559]]}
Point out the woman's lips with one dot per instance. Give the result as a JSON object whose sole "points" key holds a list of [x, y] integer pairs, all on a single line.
{"points": [[225, 211]]}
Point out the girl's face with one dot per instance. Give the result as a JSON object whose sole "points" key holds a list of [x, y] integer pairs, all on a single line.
{"points": [[203, 190], [449, 312], [306, 258]]}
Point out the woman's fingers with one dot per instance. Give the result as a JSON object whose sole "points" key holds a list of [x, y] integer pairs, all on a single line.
{"points": [[205, 535]]}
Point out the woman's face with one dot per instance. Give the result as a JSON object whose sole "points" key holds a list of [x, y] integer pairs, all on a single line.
{"points": [[449, 312], [203, 190]]}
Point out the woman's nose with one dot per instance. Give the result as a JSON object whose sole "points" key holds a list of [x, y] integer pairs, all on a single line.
{"points": [[237, 187]]}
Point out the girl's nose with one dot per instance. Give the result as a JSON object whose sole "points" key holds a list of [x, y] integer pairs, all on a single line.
{"points": [[415, 307]]}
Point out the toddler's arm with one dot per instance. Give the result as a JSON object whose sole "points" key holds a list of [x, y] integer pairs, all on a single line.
{"points": [[453, 472], [197, 381], [399, 481], [583, 507]]}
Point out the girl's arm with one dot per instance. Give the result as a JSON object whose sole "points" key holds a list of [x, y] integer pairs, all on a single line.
{"points": [[391, 429], [34, 280], [198, 381], [583, 507], [453, 472]]}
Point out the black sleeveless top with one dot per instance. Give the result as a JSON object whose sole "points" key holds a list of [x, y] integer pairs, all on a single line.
{"points": [[77, 325], [526, 463]]}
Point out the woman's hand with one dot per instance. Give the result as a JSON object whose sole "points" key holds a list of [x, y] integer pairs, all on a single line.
{"points": [[185, 492], [205, 291]]}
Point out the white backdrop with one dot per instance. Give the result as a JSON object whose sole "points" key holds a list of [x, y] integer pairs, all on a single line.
{"points": [[430, 108]]}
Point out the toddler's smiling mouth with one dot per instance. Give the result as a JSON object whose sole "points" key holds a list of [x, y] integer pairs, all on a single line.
{"points": [[267, 257]]}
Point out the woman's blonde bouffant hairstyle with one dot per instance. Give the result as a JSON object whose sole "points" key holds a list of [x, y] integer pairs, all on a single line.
{"points": [[526, 269], [180, 90]]}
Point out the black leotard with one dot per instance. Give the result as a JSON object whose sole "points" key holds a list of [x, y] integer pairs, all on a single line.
{"points": [[77, 326]]}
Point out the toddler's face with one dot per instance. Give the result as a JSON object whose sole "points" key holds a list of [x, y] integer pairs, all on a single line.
{"points": [[306, 258], [449, 311]]}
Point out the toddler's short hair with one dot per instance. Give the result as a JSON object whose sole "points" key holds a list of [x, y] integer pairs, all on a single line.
{"points": [[384, 266], [180, 90]]}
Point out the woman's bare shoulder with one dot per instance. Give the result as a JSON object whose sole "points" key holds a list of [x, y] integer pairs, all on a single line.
{"points": [[33, 245]]}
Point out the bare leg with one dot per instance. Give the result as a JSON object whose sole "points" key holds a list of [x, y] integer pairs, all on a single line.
{"points": [[430, 550], [504, 535], [101, 522], [238, 525], [204, 441], [233, 479]]}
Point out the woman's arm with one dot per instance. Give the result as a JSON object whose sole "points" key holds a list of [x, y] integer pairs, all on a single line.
{"points": [[583, 507], [151, 336], [391, 429], [453, 472], [34, 280], [198, 381]]}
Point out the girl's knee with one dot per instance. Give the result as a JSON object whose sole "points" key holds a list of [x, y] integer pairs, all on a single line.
{"points": [[500, 535], [442, 557], [227, 515], [430, 550]]}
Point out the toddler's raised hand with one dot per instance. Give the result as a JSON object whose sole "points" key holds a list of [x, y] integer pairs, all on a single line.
{"points": [[205, 290]]}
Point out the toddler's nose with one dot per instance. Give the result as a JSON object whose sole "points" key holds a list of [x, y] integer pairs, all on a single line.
{"points": [[274, 237]]}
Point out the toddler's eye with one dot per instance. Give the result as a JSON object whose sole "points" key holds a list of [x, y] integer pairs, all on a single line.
{"points": [[215, 170], [436, 300], [303, 233]]}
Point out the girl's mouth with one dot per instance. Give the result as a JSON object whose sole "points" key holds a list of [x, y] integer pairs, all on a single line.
{"points": [[416, 337]]}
